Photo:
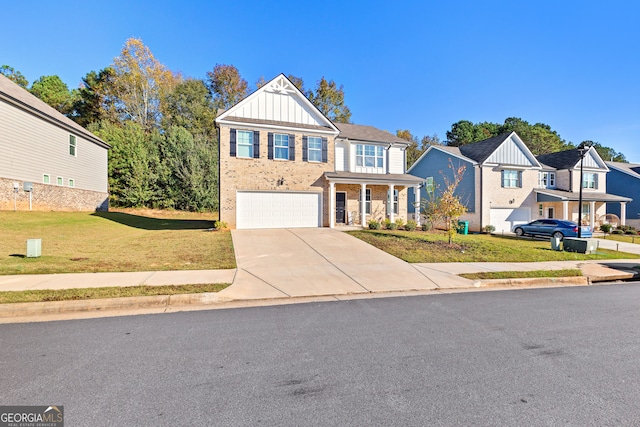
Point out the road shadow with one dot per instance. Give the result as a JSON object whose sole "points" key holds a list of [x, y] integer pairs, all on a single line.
{"points": [[148, 223]]}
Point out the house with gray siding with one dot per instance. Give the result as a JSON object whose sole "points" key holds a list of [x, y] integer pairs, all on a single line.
{"points": [[48, 161], [624, 179], [504, 184]]}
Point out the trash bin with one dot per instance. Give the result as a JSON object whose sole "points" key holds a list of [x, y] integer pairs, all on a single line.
{"points": [[463, 227], [555, 243]]}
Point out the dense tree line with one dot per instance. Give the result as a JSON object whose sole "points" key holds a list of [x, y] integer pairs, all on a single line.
{"points": [[160, 125]]}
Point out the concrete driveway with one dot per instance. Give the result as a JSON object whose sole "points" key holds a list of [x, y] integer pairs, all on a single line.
{"points": [[277, 263]]}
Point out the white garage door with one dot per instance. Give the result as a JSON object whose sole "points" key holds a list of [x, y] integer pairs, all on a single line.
{"points": [[264, 209], [503, 219]]}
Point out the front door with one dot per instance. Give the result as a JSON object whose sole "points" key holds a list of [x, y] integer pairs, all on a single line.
{"points": [[341, 201], [550, 213]]}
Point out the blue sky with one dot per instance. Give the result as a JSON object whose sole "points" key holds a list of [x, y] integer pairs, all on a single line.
{"points": [[417, 65]]}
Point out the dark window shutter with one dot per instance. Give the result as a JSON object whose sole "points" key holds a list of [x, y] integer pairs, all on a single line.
{"points": [[520, 179], [502, 179], [292, 147], [324, 150], [232, 142], [256, 145], [270, 145], [305, 149], [595, 180]]}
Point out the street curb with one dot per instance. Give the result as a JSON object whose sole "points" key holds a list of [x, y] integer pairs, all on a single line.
{"points": [[534, 281], [104, 304]]}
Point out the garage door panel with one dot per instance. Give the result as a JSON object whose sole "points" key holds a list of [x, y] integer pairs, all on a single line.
{"points": [[503, 219], [257, 209]]}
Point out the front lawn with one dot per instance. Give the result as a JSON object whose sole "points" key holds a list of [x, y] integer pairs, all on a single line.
{"points": [[75, 242], [420, 246], [628, 238]]}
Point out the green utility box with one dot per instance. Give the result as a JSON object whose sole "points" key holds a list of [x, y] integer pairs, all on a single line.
{"points": [[34, 248], [463, 227]]}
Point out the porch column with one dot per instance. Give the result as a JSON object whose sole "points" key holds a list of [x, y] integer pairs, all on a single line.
{"points": [[416, 204], [390, 205], [332, 204], [623, 213], [565, 210], [363, 205], [592, 214]]}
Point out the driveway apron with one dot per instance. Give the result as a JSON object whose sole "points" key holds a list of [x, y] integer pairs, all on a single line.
{"points": [[315, 261]]}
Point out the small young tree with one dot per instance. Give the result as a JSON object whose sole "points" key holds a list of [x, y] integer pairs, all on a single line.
{"points": [[446, 207]]}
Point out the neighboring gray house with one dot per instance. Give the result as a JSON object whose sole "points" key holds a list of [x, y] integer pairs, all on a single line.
{"points": [[63, 164], [624, 179], [504, 184]]}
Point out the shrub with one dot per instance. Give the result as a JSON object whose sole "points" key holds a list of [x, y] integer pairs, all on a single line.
{"points": [[489, 229], [374, 225], [606, 228], [410, 225], [617, 231], [386, 222], [219, 225], [399, 222], [426, 226], [632, 232], [392, 226]]}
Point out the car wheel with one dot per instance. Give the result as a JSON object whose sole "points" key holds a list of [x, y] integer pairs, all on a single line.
{"points": [[558, 235], [519, 232]]}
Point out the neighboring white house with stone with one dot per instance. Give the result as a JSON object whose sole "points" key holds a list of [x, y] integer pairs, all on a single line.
{"points": [[62, 164], [284, 164]]}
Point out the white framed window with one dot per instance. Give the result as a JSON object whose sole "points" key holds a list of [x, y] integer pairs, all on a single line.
{"points": [[60, 181], [586, 209], [314, 147], [244, 142], [46, 179], [367, 203], [369, 156], [429, 185], [546, 179], [281, 146], [72, 182], [395, 200], [72, 145], [510, 178], [589, 180]]}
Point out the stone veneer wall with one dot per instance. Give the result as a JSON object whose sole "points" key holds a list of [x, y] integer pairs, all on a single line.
{"points": [[238, 173], [48, 197]]}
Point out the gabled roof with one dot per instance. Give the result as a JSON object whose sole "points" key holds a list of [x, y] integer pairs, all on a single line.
{"points": [[368, 133], [22, 99], [481, 150], [570, 159], [278, 104], [631, 169]]}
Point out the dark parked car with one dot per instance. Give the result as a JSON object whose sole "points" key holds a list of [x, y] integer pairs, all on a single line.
{"points": [[552, 228]]}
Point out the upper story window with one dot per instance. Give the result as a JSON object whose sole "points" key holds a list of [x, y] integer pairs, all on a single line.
{"points": [[46, 179], [589, 180], [244, 143], [369, 156], [60, 181], [72, 182], [546, 179], [511, 179], [72, 145], [429, 185], [281, 143], [314, 152]]}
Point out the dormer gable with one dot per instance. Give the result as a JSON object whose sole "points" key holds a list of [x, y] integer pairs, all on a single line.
{"points": [[570, 159], [278, 104], [513, 152]]}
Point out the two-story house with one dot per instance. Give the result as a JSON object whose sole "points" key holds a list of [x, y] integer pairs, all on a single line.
{"points": [[624, 179], [285, 164], [48, 161], [504, 184]]}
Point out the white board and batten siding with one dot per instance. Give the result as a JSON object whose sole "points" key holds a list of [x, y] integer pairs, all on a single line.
{"points": [[278, 209], [342, 156], [504, 219], [32, 147], [396, 160], [510, 153]]}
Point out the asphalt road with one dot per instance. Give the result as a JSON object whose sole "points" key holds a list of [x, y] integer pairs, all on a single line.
{"points": [[563, 356]]}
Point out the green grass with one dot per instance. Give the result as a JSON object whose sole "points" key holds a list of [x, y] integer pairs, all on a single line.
{"points": [[74, 242], [110, 292], [419, 246], [521, 274], [628, 238]]}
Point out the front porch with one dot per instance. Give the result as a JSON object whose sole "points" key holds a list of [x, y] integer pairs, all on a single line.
{"points": [[566, 205], [356, 198]]}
